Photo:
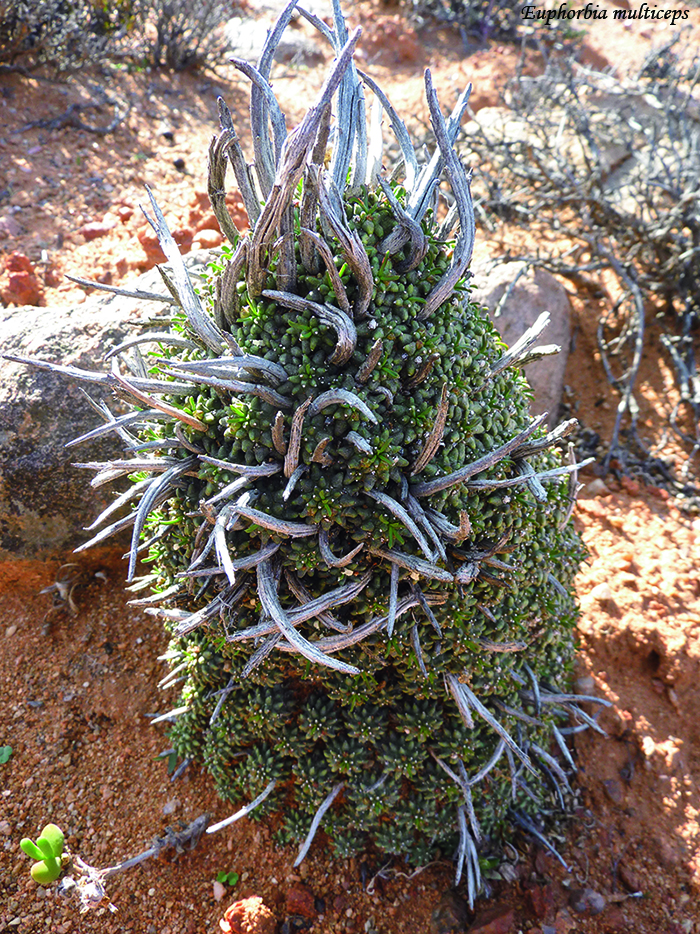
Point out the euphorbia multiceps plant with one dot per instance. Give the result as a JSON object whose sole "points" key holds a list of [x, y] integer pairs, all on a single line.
{"points": [[359, 538]]}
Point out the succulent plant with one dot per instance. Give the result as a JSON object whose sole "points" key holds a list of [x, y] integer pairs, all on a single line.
{"points": [[360, 539], [47, 850]]}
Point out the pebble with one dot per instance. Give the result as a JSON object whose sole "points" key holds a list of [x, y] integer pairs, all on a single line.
{"points": [[5, 828], [587, 900], [499, 920], [597, 487], [628, 878], [563, 922], [585, 684], [149, 242], [602, 592], [96, 229], [300, 902], [219, 891], [613, 790], [450, 914], [9, 228], [633, 487], [171, 806], [541, 898], [248, 916], [10, 631], [207, 239], [23, 286]]}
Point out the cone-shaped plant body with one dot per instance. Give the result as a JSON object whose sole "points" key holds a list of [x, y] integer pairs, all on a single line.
{"points": [[358, 536]]}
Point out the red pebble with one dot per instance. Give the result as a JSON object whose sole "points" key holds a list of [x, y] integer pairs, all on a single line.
{"points": [[495, 921], [300, 901], [18, 262], [149, 241], [248, 916], [97, 229], [23, 289]]}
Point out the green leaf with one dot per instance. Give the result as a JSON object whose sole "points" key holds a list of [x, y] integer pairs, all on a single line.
{"points": [[227, 878], [30, 848], [54, 836], [46, 848], [5, 754], [46, 871]]}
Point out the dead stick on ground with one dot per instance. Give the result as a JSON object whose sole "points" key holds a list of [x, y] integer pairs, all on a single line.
{"points": [[90, 886]]}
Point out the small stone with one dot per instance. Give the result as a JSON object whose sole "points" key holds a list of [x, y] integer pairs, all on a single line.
{"points": [[499, 920], [339, 902], [602, 592], [585, 684], [171, 806], [10, 631], [541, 898], [300, 902], [203, 221], [219, 890], [179, 164], [577, 900], [23, 287], [149, 242], [22, 199], [587, 900], [633, 487], [563, 922], [596, 902], [613, 790], [597, 487], [509, 872], [248, 916], [450, 914], [207, 239], [9, 228], [5, 828], [96, 229]]}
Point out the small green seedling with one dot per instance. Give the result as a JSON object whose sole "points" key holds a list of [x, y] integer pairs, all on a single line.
{"points": [[5, 754], [227, 878], [47, 850]]}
